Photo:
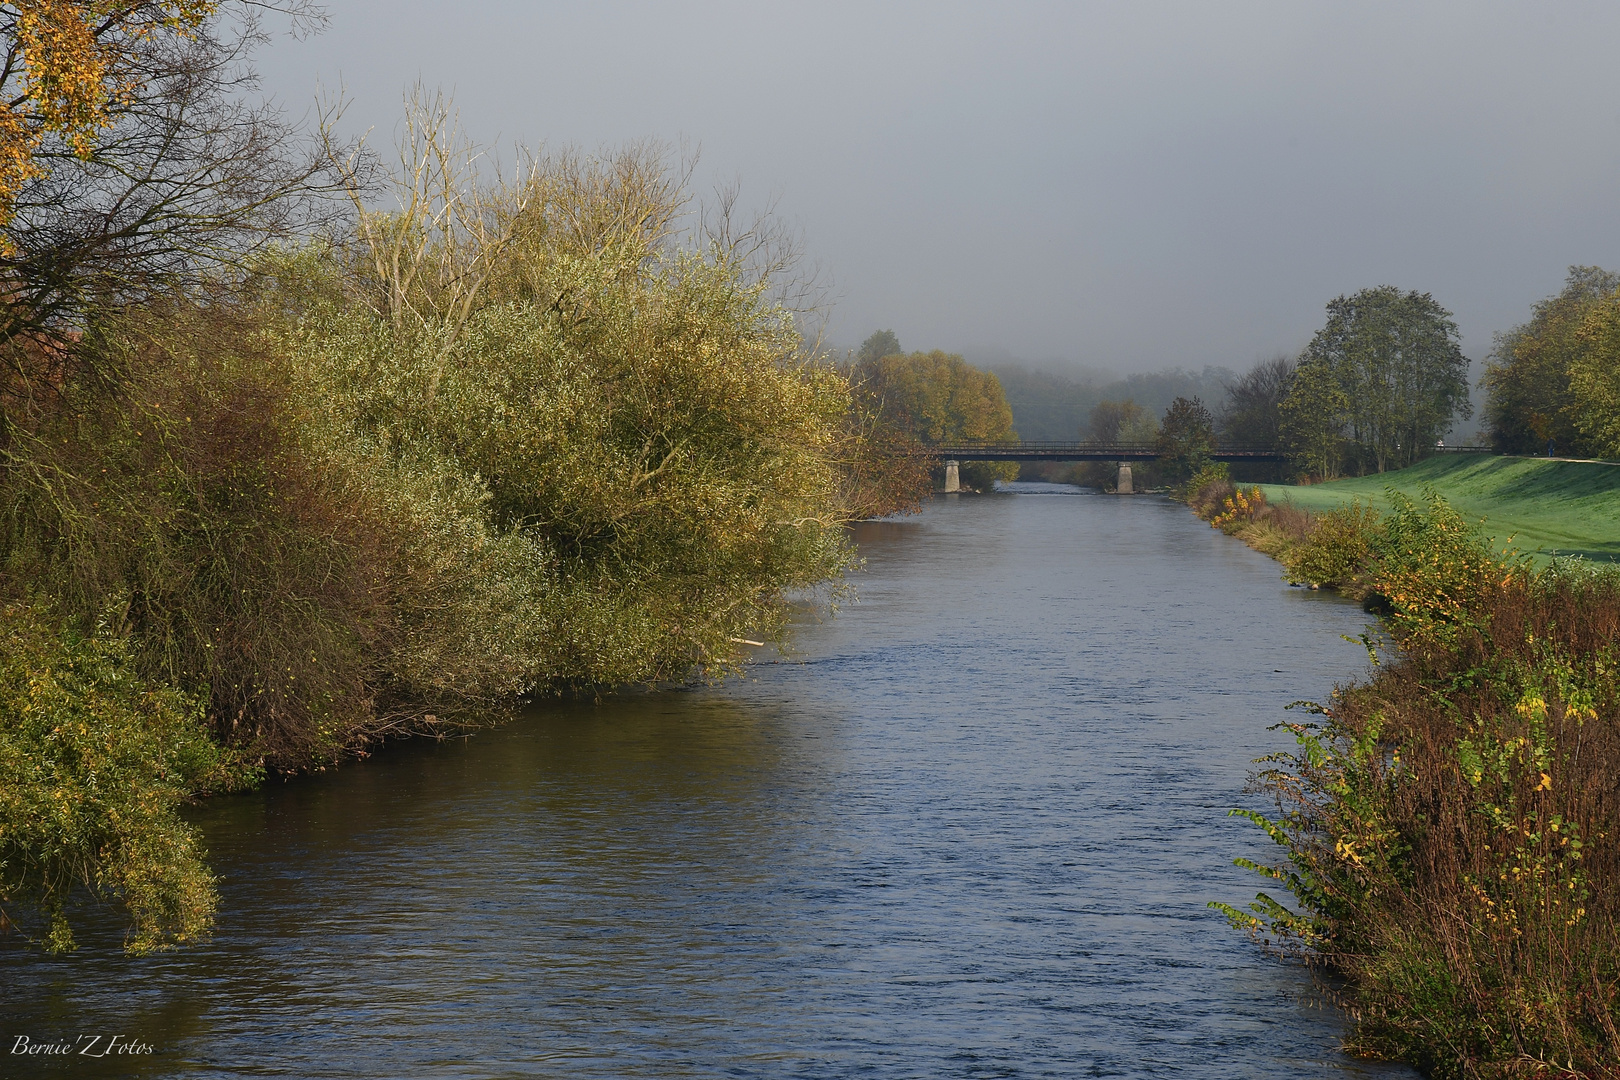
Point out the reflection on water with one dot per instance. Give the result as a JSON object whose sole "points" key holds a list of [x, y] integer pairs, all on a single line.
{"points": [[969, 831]]}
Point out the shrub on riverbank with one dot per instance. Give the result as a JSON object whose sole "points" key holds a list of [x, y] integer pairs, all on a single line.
{"points": [[1209, 489], [1452, 824], [650, 482], [94, 762], [1238, 509], [173, 492], [1336, 549], [1279, 530], [1545, 507]]}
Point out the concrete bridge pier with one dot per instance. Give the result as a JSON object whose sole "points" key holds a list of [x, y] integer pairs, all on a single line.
{"points": [[953, 478], [1123, 486]]}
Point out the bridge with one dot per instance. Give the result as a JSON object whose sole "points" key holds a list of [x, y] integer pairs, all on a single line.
{"points": [[969, 450], [952, 453]]}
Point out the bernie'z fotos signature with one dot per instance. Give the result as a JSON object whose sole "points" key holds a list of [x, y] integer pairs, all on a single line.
{"points": [[97, 1046]]}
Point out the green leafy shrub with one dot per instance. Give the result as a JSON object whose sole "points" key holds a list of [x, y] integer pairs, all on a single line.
{"points": [[644, 462], [1434, 570], [1340, 546], [94, 763], [1208, 487], [347, 521]]}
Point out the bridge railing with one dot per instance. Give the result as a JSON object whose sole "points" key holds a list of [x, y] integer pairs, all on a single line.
{"points": [[1034, 450], [969, 449], [967, 445]]}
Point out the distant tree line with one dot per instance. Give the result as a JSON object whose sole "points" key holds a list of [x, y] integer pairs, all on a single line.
{"points": [[1376, 388], [1052, 407], [1385, 378]]}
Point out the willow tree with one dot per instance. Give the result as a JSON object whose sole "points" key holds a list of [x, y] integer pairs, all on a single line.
{"points": [[651, 454]]}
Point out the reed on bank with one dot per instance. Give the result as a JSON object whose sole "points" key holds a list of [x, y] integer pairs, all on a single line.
{"points": [[1449, 824]]}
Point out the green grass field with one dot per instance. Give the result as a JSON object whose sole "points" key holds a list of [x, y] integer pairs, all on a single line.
{"points": [[1535, 505]]}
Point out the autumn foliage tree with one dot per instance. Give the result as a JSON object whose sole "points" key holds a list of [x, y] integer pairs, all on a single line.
{"points": [[133, 166], [132, 160], [1535, 397], [68, 65], [883, 465], [939, 397]]}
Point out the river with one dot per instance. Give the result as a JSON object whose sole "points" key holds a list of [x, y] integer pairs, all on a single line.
{"points": [[969, 830]]}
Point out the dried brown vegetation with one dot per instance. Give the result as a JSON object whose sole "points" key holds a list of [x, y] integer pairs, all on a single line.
{"points": [[1469, 858]]}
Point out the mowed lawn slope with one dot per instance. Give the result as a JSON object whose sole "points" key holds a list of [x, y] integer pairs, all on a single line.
{"points": [[1538, 505]]}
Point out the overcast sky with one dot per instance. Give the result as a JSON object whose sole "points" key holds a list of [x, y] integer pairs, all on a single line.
{"points": [[1125, 186]]}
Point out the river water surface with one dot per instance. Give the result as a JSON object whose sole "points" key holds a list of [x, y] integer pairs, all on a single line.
{"points": [[970, 831]]}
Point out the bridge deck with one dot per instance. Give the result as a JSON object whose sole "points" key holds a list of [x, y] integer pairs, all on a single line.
{"points": [[1075, 451]]}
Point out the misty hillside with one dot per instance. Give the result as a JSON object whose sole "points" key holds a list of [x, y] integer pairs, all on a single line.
{"points": [[1047, 406]]}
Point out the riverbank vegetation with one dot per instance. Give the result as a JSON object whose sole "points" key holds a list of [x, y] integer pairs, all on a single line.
{"points": [[1450, 823], [272, 494]]}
